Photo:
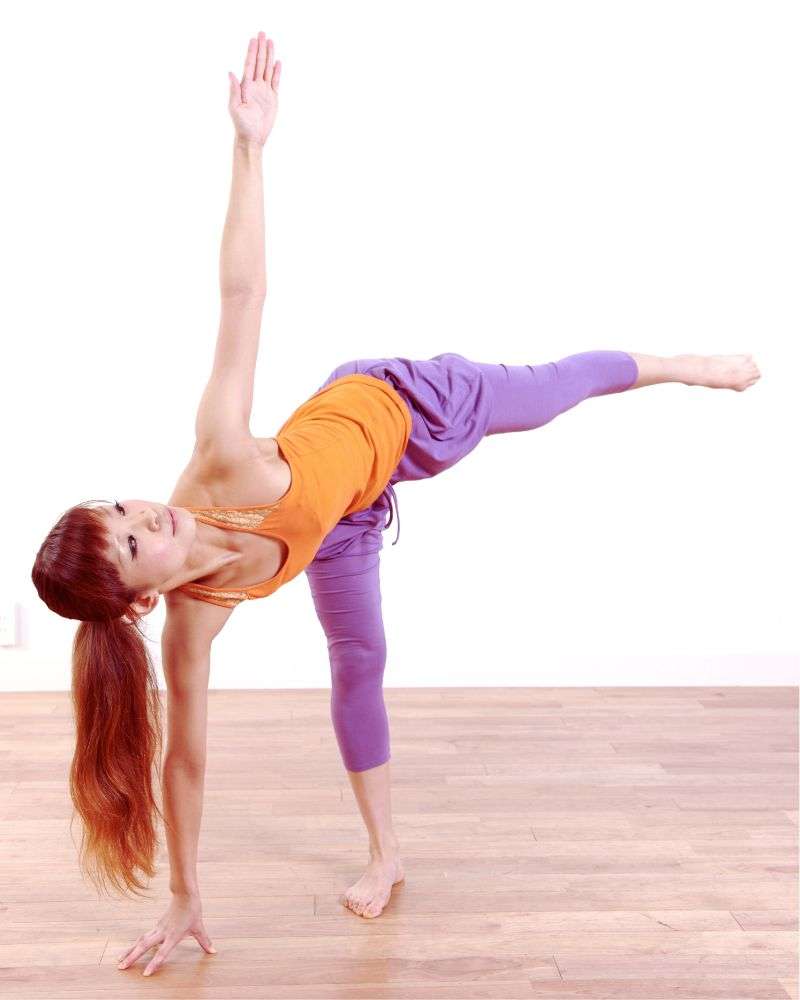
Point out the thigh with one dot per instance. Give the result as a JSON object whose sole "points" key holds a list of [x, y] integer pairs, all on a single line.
{"points": [[344, 576], [347, 598], [528, 396]]}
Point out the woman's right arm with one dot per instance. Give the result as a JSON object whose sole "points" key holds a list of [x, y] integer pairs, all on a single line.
{"points": [[189, 632], [184, 762], [186, 656]]}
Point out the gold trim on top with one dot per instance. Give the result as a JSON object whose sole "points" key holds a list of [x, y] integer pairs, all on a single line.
{"points": [[243, 517], [229, 597]]}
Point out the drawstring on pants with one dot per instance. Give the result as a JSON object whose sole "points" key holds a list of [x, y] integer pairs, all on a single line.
{"points": [[392, 511]]}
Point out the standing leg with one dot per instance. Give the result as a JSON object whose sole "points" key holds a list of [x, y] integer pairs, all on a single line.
{"points": [[346, 592], [347, 599]]}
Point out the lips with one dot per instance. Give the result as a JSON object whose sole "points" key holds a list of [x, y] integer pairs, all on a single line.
{"points": [[172, 519]]}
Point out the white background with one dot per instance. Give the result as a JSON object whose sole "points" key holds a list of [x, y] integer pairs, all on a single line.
{"points": [[515, 182]]}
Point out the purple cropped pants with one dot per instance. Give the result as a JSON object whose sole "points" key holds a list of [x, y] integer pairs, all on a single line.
{"points": [[454, 403]]}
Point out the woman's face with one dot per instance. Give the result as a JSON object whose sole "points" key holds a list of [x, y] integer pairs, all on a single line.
{"points": [[149, 543]]}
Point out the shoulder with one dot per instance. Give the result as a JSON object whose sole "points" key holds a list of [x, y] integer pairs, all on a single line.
{"points": [[193, 624], [222, 452], [212, 467]]}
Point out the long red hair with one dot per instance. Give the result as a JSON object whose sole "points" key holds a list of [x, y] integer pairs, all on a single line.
{"points": [[115, 700]]}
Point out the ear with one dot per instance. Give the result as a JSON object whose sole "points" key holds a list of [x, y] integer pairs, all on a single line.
{"points": [[145, 602]]}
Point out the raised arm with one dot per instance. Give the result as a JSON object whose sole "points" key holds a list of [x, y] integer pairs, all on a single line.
{"points": [[224, 411], [253, 105]]}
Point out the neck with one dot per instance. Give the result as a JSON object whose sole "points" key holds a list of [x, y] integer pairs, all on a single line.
{"points": [[211, 549]]}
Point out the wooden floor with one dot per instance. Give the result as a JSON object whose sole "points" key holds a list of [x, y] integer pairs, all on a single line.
{"points": [[565, 843]]}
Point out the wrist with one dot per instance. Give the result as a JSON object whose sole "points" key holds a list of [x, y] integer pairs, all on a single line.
{"points": [[185, 891], [253, 147]]}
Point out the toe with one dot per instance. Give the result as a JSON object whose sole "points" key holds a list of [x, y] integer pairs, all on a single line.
{"points": [[353, 902], [379, 904]]}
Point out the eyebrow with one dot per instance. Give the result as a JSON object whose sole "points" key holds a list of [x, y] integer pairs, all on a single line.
{"points": [[119, 557]]}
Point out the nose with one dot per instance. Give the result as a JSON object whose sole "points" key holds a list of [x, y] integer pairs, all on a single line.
{"points": [[150, 519]]}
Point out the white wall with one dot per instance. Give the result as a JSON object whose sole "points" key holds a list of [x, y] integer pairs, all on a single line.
{"points": [[514, 182]]}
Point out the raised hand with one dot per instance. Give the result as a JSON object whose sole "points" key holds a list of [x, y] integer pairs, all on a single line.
{"points": [[253, 101]]}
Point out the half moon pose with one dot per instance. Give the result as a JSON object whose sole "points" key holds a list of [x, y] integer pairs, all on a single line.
{"points": [[246, 516]]}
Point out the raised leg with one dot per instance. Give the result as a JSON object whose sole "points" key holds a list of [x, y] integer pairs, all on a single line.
{"points": [[528, 396], [347, 599]]}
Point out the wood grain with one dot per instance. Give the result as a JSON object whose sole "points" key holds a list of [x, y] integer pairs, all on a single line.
{"points": [[567, 843]]}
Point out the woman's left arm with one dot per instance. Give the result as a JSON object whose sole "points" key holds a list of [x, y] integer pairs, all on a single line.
{"points": [[224, 411], [253, 105]]}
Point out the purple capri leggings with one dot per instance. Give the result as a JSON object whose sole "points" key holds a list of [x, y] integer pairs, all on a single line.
{"points": [[454, 403]]}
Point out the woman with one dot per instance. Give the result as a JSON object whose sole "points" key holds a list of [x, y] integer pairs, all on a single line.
{"points": [[247, 515]]}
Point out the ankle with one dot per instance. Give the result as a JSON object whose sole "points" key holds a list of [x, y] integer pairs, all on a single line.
{"points": [[654, 369], [683, 368], [387, 849]]}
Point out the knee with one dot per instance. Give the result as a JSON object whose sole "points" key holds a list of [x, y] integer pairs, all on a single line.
{"points": [[357, 663]]}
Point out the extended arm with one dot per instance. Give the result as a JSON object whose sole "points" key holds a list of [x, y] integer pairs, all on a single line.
{"points": [[253, 105], [223, 416], [184, 766], [186, 653], [241, 264]]}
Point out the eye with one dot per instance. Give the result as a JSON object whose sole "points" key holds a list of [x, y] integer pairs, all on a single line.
{"points": [[131, 540]]}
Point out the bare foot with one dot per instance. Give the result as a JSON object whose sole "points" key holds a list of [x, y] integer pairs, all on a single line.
{"points": [[718, 371], [368, 896]]}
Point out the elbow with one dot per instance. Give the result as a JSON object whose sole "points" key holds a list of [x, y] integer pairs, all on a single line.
{"points": [[185, 761], [255, 291]]}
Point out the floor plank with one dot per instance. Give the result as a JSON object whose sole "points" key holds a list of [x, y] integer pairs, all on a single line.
{"points": [[635, 843]]}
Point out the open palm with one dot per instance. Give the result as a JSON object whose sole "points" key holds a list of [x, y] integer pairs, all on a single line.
{"points": [[253, 101]]}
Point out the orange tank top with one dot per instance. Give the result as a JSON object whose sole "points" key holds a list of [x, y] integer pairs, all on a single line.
{"points": [[342, 445]]}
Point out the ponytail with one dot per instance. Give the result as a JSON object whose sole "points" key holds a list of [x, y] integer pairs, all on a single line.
{"points": [[115, 700], [118, 736]]}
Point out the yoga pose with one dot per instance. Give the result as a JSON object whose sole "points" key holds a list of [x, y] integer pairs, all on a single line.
{"points": [[247, 515]]}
